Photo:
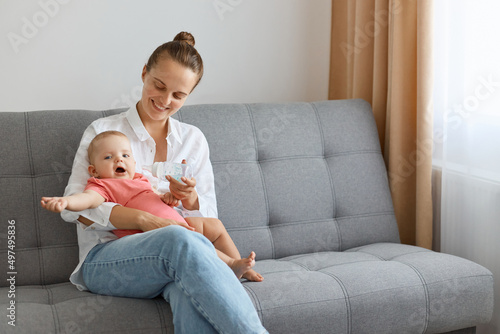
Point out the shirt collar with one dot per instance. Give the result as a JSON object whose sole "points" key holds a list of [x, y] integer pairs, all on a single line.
{"points": [[175, 130], [174, 126], [136, 123]]}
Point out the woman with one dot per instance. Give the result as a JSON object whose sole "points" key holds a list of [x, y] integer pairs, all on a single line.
{"points": [[204, 294]]}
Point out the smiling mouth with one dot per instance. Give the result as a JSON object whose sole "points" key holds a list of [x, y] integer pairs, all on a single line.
{"points": [[158, 106], [120, 170]]}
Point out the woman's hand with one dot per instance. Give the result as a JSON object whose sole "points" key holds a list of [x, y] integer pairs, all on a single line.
{"points": [[184, 191]]}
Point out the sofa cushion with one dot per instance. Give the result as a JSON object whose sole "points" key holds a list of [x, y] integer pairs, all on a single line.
{"points": [[380, 288], [61, 308]]}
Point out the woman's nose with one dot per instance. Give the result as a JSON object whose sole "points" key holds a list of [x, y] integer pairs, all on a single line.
{"points": [[165, 100], [169, 99]]}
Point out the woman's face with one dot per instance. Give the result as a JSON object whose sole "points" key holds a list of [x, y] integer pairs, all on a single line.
{"points": [[166, 87]]}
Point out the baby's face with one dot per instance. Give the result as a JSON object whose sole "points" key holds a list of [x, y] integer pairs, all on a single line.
{"points": [[113, 159]]}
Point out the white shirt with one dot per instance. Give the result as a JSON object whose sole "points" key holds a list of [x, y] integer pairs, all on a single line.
{"points": [[184, 142]]}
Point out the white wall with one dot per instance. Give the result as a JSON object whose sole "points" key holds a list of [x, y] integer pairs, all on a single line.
{"points": [[88, 54]]}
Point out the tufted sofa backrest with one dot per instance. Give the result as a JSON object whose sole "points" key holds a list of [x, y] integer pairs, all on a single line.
{"points": [[291, 178], [297, 178], [37, 150]]}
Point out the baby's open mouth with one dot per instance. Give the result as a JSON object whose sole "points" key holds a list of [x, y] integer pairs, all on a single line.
{"points": [[120, 170]]}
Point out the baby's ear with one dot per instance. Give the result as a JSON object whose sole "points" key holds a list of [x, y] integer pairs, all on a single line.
{"points": [[92, 171]]}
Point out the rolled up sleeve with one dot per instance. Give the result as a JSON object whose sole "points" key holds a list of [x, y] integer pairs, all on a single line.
{"points": [[204, 175]]}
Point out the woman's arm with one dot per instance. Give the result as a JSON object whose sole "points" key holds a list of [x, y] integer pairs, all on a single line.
{"points": [[205, 183], [133, 219], [198, 192]]}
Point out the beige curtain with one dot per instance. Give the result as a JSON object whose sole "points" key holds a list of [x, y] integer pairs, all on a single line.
{"points": [[381, 51]]}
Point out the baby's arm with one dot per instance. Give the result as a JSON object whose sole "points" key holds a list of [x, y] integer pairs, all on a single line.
{"points": [[89, 199], [170, 199], [167, 197]]}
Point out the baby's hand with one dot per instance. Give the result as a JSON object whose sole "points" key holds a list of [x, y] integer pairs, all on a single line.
{"points": [[54, 204], [170, 199]]}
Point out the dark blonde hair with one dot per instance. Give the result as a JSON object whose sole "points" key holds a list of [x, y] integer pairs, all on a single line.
{"points": [[180, 50], [102, 135]]}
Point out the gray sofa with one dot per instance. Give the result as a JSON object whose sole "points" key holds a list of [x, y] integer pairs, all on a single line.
{"points": [[304, 185]]}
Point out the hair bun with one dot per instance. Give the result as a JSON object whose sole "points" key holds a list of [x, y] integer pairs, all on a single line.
{"points": [[184, 36]]}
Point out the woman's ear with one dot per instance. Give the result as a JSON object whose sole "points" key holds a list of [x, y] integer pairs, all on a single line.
{"points": [[144, 71], [93, 171]]}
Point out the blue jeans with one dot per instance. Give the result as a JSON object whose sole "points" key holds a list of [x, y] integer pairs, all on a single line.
{"points": [[203, 292]]}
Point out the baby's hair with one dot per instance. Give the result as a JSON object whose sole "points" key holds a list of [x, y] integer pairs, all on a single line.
{"points": [[180, 50], [102, 135]]}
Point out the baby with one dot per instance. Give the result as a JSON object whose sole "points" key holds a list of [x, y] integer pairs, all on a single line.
{"points": [[113, 179]]}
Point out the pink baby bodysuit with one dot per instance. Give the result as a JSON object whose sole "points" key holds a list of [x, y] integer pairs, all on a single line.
{"points": [[136, 194]]}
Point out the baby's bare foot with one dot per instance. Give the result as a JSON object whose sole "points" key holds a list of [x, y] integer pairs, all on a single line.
{"points": [[253, 276], [241, 266], [243, 269]]}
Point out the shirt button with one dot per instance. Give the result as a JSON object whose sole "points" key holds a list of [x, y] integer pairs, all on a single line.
{"points": [[93, 228]]}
